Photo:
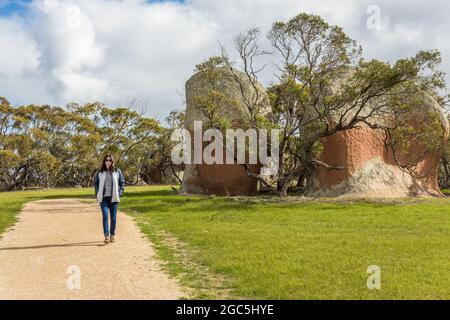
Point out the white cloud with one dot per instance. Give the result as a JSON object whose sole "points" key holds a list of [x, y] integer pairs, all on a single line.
{"points": [[18, 53], [70, 50], [116, 51]]}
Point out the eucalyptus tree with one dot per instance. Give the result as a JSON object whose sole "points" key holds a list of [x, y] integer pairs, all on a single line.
{"points": [[324, 86], [44, 146]]}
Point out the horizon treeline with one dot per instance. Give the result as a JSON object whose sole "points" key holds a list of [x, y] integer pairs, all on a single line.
{"points": [[324, 87], [47, 146]]}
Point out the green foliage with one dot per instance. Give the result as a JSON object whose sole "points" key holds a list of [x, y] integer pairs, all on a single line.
{"points": [[210, 66], [43, 146], [325, 87], [210, 105]]}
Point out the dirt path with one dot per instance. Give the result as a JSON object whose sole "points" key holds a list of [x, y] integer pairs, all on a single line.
{"points": [[54, 241]]}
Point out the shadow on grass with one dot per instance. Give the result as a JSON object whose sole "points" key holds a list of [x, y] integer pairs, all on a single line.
{"points": [[152, 193], [180, 206], [66, 196]]}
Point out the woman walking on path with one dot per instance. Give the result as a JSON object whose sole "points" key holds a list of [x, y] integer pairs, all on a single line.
{"points": [[109, 187]]}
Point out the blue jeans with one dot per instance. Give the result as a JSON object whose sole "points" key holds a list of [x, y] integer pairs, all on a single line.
{"points": [[106, 205]]}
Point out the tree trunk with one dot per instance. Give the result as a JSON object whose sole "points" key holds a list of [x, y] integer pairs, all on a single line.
{"points": [[300, 183], [447, 173], [285, 186]]}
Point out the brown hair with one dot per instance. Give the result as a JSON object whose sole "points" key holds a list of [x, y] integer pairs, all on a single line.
{"points": [[112, 168]]}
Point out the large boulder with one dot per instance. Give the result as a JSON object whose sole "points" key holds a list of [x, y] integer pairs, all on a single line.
{"points": [[371, 168], [221, 179]]}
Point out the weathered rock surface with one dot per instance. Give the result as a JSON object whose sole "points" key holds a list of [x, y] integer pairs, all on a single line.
{"points": [[370, 168], [220, 179]]}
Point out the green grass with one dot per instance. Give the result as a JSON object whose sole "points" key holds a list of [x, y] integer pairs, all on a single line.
{"points": [[307, 250]]}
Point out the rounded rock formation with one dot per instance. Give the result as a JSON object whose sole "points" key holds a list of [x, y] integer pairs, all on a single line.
{"points": [[221, 179], [372, 169]]}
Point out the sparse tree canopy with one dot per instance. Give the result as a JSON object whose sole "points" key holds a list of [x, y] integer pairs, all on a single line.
{"points": [[322, 86], [43, 146], [325, 86]]}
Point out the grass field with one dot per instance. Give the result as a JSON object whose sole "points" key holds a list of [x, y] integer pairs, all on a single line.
{"points": [[256, 248]]}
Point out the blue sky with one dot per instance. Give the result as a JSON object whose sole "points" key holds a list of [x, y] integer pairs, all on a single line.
{"points": [[8, 7]]}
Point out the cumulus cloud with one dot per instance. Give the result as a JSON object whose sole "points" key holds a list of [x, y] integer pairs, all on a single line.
{"points": [[116, 51], [70, 52], [21, 54]]}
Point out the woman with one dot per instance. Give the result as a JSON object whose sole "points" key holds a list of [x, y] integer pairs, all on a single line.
{"points": [[109, 187]]}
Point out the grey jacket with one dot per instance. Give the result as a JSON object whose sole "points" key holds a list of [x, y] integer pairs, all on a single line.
{"points": [[121, 182]]}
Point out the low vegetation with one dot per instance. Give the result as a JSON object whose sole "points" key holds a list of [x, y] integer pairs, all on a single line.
{"points": [[287, 249]]}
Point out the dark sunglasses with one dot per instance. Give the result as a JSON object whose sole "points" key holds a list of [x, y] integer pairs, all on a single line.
{"points": [[108, 160]]}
